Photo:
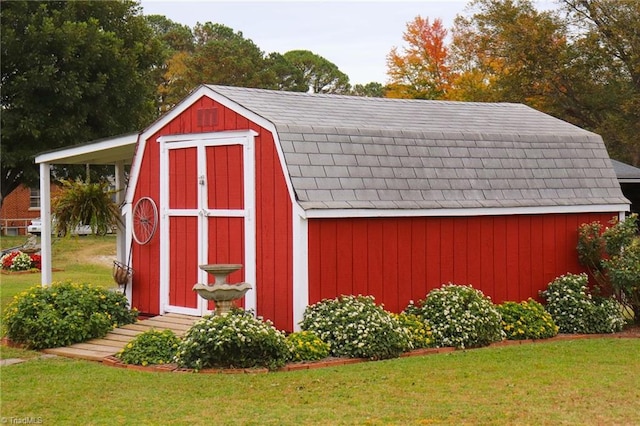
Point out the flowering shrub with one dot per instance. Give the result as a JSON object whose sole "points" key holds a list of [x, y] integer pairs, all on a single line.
{"points": [[575, 310], [63, 314], [526, 320], [354, 326], [307, 346], [612, 256], [419, 331], [150, 347], [19, 261], [236, 339], [460, 316]]}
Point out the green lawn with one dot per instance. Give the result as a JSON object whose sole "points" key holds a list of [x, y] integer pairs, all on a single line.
{"points": [[592, 381]]}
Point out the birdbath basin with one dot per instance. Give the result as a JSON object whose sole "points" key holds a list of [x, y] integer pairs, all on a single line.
{"points": [[221, 292]]}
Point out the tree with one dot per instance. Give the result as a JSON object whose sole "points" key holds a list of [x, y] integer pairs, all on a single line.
{"points": [[607, 37], [224, 57], [583, 66], [71, 72], [177, 43], [508, 51], [283, 74], [319, 74], [421, 71], [371, 90]]}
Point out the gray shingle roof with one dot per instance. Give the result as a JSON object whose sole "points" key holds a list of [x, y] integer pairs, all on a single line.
{"points": [[356, 152], [626, 171]]}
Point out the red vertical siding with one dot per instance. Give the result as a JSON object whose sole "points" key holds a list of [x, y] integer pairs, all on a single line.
{"points": [[183, 251], [225, 175], [183, 189], [507, 257], [474, 250], [417, 283], [360, 268], [274, 242], [226, 243]]}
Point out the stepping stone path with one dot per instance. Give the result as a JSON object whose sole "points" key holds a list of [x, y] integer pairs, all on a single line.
{"points": [[97, 349], [116, 339]]}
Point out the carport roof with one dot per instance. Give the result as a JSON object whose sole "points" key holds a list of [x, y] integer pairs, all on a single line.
{"points": [[117, 149], [626, 173]]}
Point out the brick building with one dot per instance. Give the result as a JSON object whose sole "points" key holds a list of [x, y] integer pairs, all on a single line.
{"points": [[18, 208]]}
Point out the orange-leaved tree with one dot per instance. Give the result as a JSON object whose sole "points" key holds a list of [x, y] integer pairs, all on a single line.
{"points": [[420, 71]]}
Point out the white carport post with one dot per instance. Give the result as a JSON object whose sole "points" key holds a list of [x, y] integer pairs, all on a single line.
{"points": [[45, 217], [123, 238], [121, 244]]}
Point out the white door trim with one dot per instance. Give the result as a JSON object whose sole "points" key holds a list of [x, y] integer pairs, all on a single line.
{"points": [[200, 141]]}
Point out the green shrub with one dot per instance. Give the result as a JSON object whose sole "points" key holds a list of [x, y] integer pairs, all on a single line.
{"points": [[575, 310], [307, 346], [63, 314], [526, 320], [420, 334], [235, 340], [355, 327], [151, 347], [611, 254], [85, 203], [460, 316]]}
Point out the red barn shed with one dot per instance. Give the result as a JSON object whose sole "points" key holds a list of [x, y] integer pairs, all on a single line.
{"points": [[322, 195]]}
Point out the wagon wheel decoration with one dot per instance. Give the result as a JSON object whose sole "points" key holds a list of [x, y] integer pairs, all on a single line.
{"points": [[145, 220]]}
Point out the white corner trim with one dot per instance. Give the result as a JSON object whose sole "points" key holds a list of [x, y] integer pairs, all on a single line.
{"points": [[300, 265], [250, 231]]}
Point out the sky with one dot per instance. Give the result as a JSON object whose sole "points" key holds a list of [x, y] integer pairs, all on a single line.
{"points": [[357, 36]]}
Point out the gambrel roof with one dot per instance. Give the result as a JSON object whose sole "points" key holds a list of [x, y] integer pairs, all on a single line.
{"points": [[346, 152]]}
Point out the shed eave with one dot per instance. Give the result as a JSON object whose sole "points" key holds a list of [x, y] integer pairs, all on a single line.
{"points": [[499, 211]]}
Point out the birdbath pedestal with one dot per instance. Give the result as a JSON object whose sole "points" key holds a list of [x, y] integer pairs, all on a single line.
{"points": [[221, 292]]}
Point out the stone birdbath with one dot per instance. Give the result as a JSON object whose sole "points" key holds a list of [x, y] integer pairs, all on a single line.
{"points": [[221, 292]]}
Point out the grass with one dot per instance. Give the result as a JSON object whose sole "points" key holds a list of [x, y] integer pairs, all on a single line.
{"points": [[591, 381], [81, 259]]}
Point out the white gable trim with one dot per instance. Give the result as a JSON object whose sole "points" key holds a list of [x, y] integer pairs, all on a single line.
{"points": [[463, 212], [179, 109], [265, 124], [151, 130]]}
